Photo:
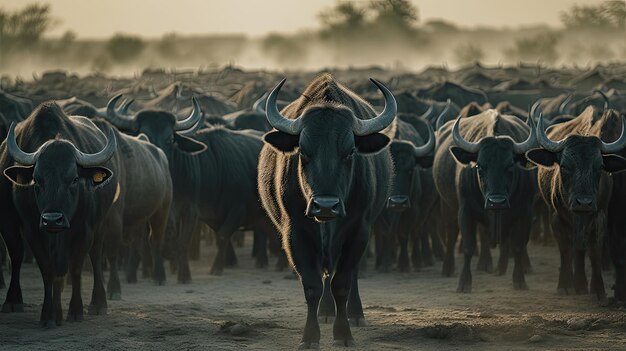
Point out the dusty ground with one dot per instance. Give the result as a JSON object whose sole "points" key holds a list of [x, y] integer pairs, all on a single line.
{"points": [[406, 312]]}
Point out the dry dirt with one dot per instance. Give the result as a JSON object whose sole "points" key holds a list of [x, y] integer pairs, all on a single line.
{"points": [[406, 312]]}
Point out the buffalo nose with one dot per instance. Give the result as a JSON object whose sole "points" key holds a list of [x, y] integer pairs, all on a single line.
{"points": [[53, 221], [497, 202], [325, 208], [398, 202], [583, 204]]}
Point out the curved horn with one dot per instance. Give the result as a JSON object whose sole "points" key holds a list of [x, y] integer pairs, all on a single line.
{"points": [[19, 155], [440, 122], [276, 119], [121, 121], [100, 157], [421, 151], [564, 104], [193, 118], [544, 141], [364, 127], [460, 141], [124, 109], [617, 145], [521, 148], [607, 102], [196, 127], [258, 105], [534, 108], [427, 113]]}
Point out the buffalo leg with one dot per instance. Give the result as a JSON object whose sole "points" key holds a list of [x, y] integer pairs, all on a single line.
{"points": [[223, 236], [231, 256], [580, 278], [518, 240], [98, 304], [308, 264], [505, 250], [187, 223], [566, 274], [75, 311], [403, 257], [259, 248], [468, 235], [3, 261], [485, 261], [15, 247], [341, 282], [597, 283], [132, 261], [158, 227], [326, 311], [451, 231]]}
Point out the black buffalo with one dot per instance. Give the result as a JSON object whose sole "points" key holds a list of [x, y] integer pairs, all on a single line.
{"points": [[214, 178], [142, 204], [324, 178], [480, 176], [60, 198], [575, 184]]}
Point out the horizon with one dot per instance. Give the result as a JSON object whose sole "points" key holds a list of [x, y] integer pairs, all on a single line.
{"points": [[241, 16]]}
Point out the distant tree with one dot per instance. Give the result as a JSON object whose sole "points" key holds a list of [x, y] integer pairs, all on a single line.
{"points": [[539, 47], [23, 28], [606, 15], [441, 26], [124, 48], [399, 13]]}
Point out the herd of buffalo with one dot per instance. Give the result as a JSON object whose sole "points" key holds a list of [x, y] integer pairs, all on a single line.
{"points": [[131, 169]]}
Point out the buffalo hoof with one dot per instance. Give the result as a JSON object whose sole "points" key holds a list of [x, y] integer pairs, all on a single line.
{"points": [[114, 296], [12, 307], [309, 346], [49, 324], [358, 322], [93, 310], [520, 285], [404, 268], [448, 269], [326, 319], [184, 280], [216, 271], [565, 291], [464, 287], [344, 343], [75, 317], [601, 299], [487, 267]]}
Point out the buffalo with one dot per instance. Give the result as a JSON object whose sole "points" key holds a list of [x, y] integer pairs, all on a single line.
{"points": [[61, 184], [575, 183], [479, 172], [323, 179]]}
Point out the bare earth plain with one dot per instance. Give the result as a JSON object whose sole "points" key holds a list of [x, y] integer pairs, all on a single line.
{"points": [[406, 311]]}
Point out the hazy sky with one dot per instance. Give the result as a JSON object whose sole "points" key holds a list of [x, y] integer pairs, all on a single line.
{"points": [[102, 18]]}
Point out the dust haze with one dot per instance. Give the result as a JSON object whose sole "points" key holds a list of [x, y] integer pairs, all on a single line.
{"points": [[389, 34]]}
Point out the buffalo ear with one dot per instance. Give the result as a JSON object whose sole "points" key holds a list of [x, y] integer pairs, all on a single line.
{"points": [[463, 157], [97, 177], [522, 162], [188, 145], [282, 142], [20, 175], [542, 157], [371, 144], [614, 163], [425, 161]]}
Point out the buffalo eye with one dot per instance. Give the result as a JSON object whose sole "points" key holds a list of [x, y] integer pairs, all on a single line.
{"points": [[75, 181]]}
